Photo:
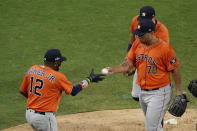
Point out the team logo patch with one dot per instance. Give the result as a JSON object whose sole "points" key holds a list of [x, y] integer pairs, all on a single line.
{"points": [[173, 61], [138, 26]]}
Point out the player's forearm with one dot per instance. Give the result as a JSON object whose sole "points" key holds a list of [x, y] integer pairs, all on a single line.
{"points": [[177, 80], [126, 65], [79, 87], [120, 69], [76, 89]]}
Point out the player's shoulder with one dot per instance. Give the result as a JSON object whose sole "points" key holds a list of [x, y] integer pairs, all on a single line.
{"points": [[33, 67], [164, 45], [59, 75], [134, 19], [60, 78], [136, 43], [161, 26]]}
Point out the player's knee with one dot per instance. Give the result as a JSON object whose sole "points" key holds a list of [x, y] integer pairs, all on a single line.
{"points": [[136, 98]]}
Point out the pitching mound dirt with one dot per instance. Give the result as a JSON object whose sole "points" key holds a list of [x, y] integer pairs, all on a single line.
{"points": [[116, 120]]}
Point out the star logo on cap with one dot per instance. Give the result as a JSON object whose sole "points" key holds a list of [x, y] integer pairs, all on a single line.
{"points": [[143, 14], [138, 26]]}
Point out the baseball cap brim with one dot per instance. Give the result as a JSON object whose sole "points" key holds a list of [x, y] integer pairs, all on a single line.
{"points": [[138, 33], [63, 59]]}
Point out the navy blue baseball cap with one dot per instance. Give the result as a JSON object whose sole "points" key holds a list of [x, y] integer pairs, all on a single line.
{"points": [[146, 12], [144, 26], [53, 55]]}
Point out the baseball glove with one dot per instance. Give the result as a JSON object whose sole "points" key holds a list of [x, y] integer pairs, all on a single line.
{"points": [[178, 106], [95, 77], [192, 87]]}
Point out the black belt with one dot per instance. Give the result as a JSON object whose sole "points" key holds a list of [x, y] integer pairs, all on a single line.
{"points": [[150, 89], [38, 112], [42, 113]]}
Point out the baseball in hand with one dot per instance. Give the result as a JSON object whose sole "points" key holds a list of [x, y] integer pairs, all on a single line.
{"points": [[104, 71]]}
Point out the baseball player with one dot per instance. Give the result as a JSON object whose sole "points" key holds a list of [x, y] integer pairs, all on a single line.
{"points": [[43, 86], [146, 12], [155, 60]]}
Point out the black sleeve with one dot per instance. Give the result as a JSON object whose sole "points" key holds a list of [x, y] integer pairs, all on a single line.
{"points": [[76, 89], [129, 47]]}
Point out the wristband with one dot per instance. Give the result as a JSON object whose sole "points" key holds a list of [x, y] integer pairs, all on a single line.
{"points": [[88, 80], [84, 83], [129, 47]]}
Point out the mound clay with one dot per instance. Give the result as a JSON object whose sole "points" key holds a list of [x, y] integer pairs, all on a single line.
{"points": [[116, 120]]}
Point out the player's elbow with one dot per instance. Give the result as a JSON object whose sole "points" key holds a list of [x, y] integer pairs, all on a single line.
{"points": [[73, 93]]}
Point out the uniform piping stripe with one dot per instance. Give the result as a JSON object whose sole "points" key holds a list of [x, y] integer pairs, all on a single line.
{"points": [[147, 54], [146, 65], [162, 106], [50, 124]]}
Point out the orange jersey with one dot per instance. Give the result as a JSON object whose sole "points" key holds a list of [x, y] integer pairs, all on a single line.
{"points": [[44, 87], [160, 30], [153, 63]]}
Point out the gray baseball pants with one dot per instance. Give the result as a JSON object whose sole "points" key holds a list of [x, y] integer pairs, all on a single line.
{"points": [[41, 122], [136, 88], [154, 105]]}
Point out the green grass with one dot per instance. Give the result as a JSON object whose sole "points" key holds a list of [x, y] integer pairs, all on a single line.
{"points": [[91, 33]]}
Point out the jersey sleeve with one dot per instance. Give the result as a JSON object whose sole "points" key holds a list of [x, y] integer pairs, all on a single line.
{"points": [[64, 84], [162, 32], [24, 84], [171, 59], [131, 55]]}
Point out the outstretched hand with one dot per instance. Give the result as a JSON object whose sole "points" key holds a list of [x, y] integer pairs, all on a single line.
{"points": [[95, 77]]}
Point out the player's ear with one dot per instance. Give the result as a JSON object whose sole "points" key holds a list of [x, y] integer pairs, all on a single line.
{"points": [[154, 20], [152, 33], [55, 64]]}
